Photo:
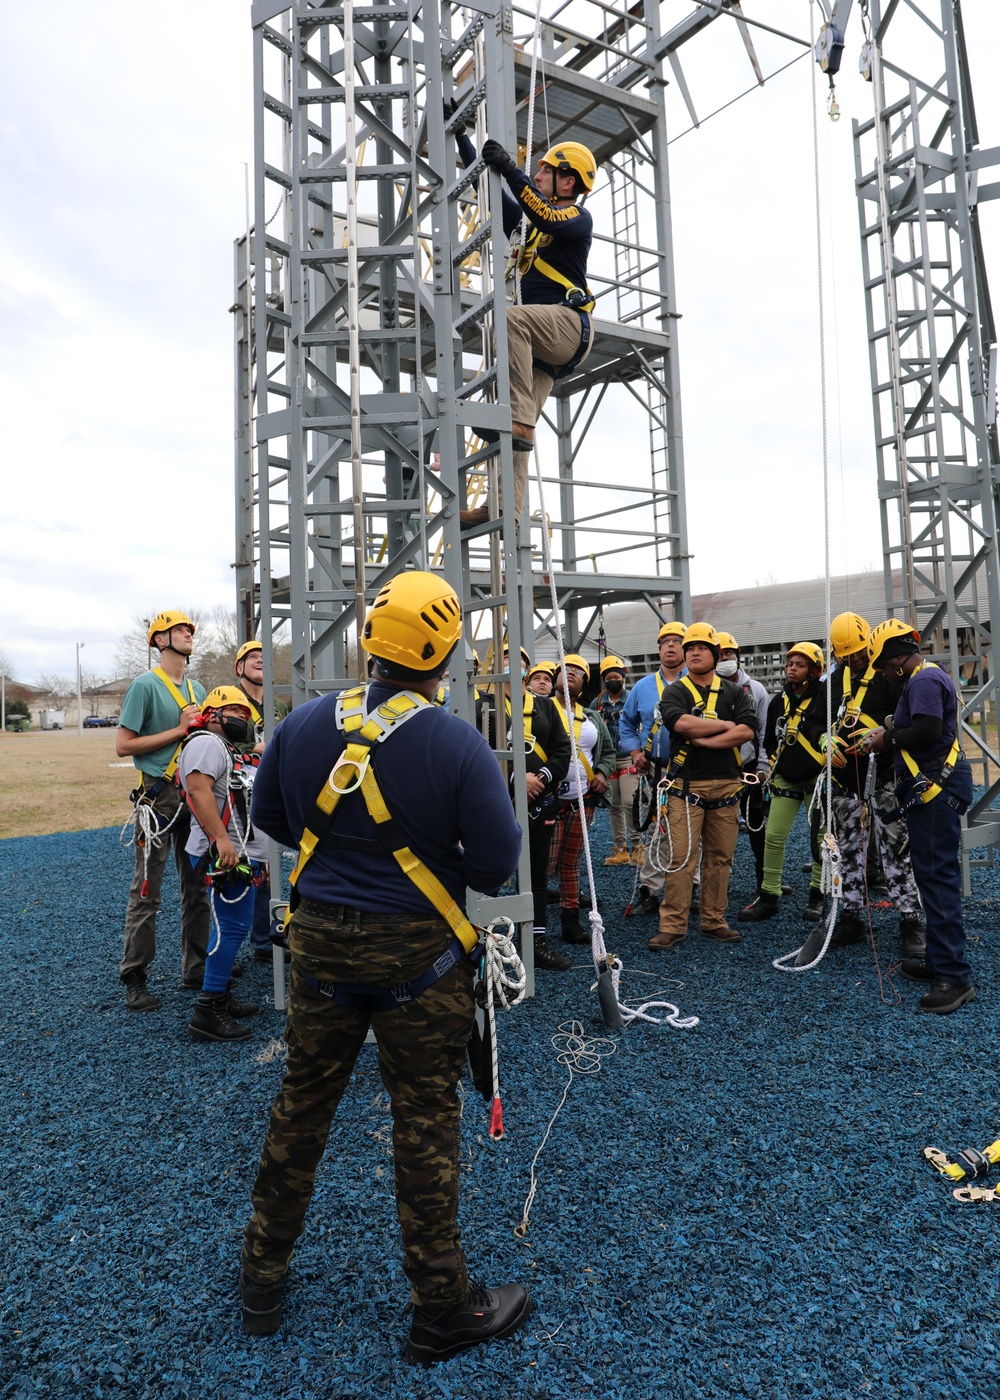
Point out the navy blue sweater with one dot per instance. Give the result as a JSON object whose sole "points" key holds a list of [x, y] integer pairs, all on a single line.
{"points": [[440, 782]]}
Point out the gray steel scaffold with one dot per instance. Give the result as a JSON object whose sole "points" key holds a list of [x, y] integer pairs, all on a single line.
{"points": [[371, 335], [933, 356]]}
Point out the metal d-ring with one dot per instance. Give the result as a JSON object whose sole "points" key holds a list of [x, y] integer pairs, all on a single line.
{"points": [[360, 768]]}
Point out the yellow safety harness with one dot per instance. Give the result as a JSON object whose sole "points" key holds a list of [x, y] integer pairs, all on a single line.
{"points": [[701, 707], [526, 256], [657, 724], [578, 718], [793, 734], [182, 705], [353, 771], [531, 744], [933, 789], [851, 718]]}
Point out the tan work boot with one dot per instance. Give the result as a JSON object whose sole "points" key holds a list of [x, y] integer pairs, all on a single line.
{"points": [[638, 853], [479, 516], [663, 940], [619, 856]]}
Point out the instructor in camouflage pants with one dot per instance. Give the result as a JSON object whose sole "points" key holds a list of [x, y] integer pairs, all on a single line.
{"points": [[370, 948]]}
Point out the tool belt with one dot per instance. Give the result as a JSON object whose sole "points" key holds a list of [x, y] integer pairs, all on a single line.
{"points": [[364, 998], [797, 793]]}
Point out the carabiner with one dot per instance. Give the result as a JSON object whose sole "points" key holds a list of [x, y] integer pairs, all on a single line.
{"points": [[360, 768]]}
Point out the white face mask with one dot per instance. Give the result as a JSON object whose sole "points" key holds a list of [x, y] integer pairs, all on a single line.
{"points": [[726, 669]]}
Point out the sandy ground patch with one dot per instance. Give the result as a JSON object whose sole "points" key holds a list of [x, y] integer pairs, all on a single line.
{"points": [[57, 781]]}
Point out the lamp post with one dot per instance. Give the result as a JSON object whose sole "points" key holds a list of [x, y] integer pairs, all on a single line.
{"points": [[79, 691]]}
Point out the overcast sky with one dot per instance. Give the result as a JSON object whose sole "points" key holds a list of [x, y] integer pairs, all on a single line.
{"points": [[124, 140]]}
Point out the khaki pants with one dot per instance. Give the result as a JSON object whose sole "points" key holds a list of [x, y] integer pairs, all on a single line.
{"points": [[549, 333], [717, 831], [622, 790]]}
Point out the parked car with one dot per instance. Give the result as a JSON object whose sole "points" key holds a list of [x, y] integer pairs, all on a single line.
{"points": [[100, 722]]}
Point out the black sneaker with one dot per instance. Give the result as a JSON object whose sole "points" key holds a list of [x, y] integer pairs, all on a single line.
{"points": [[916, 970], [487, 1315], [813, 911], [261, 1306], [765, 906], [947, 996], [137, 996]]}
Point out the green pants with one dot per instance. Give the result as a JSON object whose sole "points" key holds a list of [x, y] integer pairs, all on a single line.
{"points": [[782, 810]]}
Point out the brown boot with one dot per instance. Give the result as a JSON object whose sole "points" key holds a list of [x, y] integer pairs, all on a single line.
{"points": [[619, 856], [665, 939], [722, 935], [479, 516], [522, 437]]}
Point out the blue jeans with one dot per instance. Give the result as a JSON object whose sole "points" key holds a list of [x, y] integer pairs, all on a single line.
{"points": [[232, 915], [935, 851]]}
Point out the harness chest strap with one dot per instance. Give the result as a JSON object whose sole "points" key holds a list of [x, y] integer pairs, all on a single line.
{"points": [[706, 708], [352, 772], [657, 724], [577, 730], [182, 705], [531, 744], [852, 718], [236, 787], [948, 767], [792, 734]]}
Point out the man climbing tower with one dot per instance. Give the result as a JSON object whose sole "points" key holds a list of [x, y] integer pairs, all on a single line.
{"points": [[550, 330]]}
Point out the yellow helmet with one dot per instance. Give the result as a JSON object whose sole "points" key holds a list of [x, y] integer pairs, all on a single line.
{"points": [[849, 632], [613, 663], [810, 651], [670, 629], [893, 629], [414, 622], [702, 632], [164, 621], [573, 155], [246, 649], [551, 668], [727, 642], [574, 659], [222, 696]]}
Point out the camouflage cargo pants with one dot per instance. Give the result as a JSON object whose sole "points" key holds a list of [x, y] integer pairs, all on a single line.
{"points": [[893, 844], [421, 1050]]}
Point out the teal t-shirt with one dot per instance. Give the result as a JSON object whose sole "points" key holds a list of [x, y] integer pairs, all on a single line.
{"points": [[149, 708]]}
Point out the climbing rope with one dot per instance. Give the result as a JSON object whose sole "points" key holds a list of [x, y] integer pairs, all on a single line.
{"points": [[505, 980], [579, 1054], [147, 833]]}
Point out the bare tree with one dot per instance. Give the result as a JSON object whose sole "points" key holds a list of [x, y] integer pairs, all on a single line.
{"points": [[767, 581], [6, 667], [133, 654], [55, 690]]}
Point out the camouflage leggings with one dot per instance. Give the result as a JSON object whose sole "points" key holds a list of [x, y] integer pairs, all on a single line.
{"points": [[893, 844], [421, 1050]]}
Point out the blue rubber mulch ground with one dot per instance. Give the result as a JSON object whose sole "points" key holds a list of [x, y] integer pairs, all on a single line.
{"points": [[736, 1210]]}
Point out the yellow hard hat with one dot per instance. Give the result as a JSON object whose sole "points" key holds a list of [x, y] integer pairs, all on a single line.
{"points": [[575, 659], [164, 621], [246, 649], [892, 630], [222, 696], [849, 632], [810, 651], [551, 668], [702, 632], [727, 642], [573, 155], [613, 663], [670, 629], [414, 622]]}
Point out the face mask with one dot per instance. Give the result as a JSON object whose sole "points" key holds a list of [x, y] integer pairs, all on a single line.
{"points": [[727, 668], [614, 686], [237, 731]]}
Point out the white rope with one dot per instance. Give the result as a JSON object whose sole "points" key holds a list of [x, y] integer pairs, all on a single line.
{"points": [[579, 1054], [146, 830], [662, 835], [506, 981]]}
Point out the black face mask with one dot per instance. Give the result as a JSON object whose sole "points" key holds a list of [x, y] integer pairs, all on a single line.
{"points": [[237, 731], [614, 686]]}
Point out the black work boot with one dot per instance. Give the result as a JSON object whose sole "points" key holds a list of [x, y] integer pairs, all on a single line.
{"points": [[944, 997], [545, 957], [695, 907], [916, 970], [647, 903], [239, 1009], [850, 929], [261, 1306], [912, 936], [813, 911], [487, 1315], [137, 997], [571, 930], [765, 906], [211, 1020]]}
